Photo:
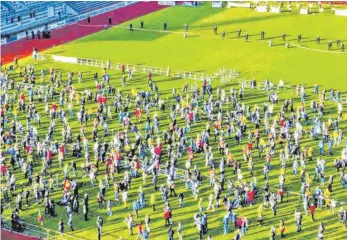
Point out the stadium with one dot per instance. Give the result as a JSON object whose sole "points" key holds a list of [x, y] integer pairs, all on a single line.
{"points": [[173, 120]]}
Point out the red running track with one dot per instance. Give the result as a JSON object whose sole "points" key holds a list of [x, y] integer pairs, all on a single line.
{"points": [[8, 235], [23, 47]]}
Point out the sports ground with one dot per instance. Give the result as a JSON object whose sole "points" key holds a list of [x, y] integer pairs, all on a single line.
{"points": [[203, 52]]}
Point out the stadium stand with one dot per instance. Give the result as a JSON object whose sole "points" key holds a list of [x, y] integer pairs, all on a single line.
{"points": [[84, 7], [17, 17], [21, 16]]}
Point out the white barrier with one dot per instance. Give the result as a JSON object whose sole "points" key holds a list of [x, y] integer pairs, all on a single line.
{"points": [[303, 11], [242, 5], [261, 8], [64, 59], [275, 9], [217, 4], [167, 3], [339, 12]]}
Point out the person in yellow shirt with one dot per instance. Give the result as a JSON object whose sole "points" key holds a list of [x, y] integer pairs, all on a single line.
{"points": [[260, 215], [310, 153], [150, 142]]}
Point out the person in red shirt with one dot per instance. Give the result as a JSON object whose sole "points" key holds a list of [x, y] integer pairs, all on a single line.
{"points": [[139, 230], [281, 193], [167, 216], [312, 210], [54, 107], [250, 197], [249, 146], [3, 169]]}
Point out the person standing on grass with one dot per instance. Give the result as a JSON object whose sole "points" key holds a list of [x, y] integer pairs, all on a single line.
{"points": [[147, 222], [165, 26], [139, 230], [153, 200], [318, 40], [129, 220], [330, 44], [179, 231], [99, 222], [136, 208], [238, 235], [70, 222], [215, 32], [273, 233], [312, 210], [284, 36], [299, 38], [142, 24], [262, 35], [282, 228], [298, 220], [170, 233], [61, 226], [226, 224], [239, 32]]}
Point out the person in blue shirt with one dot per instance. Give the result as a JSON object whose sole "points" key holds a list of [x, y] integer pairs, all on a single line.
{"points": [[226, 224], [330, 146], [321, 147], [136, 207], [145, 234]]}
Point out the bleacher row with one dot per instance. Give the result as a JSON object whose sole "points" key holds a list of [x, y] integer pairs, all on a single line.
{"points": [[28, 17], [83, 7], [19, 16]]}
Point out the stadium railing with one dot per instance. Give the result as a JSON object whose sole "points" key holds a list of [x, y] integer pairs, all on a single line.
{"points": [[37, 231]]}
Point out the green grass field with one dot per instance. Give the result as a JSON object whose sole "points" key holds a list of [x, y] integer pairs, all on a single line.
{"points": [[203, 52]]}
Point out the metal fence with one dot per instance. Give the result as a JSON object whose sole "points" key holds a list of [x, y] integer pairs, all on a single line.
{"points": [[37, 231]]}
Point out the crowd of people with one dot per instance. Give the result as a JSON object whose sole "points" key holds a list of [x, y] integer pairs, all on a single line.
{"points": [[285, 129]]}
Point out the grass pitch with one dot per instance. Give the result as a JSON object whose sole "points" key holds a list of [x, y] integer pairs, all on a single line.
{"points": [[202, 51]]}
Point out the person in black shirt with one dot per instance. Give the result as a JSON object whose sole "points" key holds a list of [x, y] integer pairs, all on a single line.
{"points": [[131, 27], [246, 37], [165, 26], [262, 35], [215, 30], [27, 34], [284, 36], [32, 34], [38, 34], [318, 40], [109, 21], [223, 34], [88, 19], [170, 233], [338, 41], [239, 32], [330, 45], [61, 226], [142, 24], [342, 47], [299, 38]]}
